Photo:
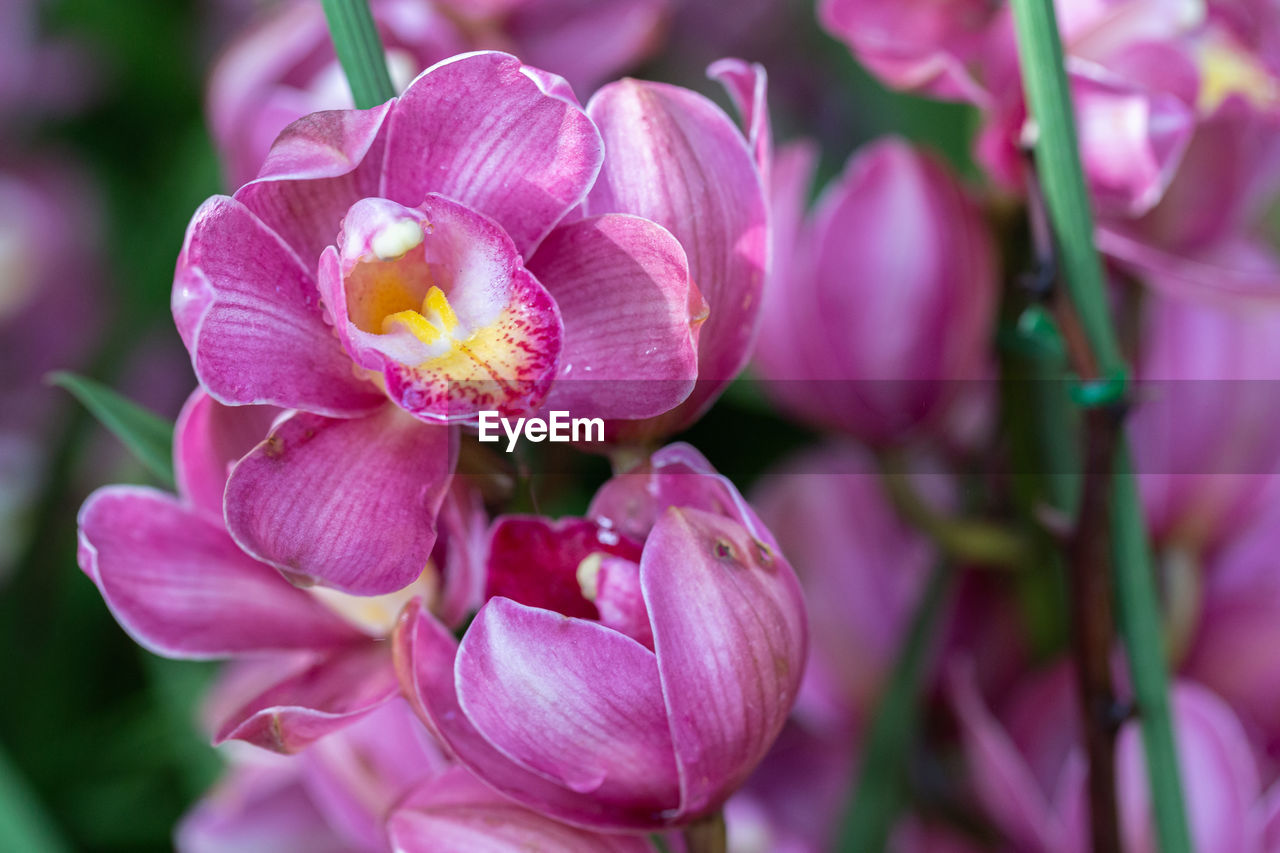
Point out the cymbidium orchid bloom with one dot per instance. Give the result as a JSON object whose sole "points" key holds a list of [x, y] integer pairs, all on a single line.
{"points": [[381, 784], [478, 243], [882, 308], [1205, 445], [1176, 101], [179, 585], [630, 668], [1029, 771], [283, 67]]}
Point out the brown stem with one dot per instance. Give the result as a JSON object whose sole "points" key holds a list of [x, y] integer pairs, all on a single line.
{"points": [[706, 835], [1093, 628]]}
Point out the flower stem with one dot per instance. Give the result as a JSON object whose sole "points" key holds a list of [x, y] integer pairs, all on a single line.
{"points": [[1059, 170], [707, 835], [359, 49], [882, 776]]}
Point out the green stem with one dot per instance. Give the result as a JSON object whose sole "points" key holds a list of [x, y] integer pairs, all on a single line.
{"points": [[359, 49], [1059, 170], [882, 776]]}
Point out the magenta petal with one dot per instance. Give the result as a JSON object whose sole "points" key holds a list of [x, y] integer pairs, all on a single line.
{"points": [[335, 691], [455, 813], [254, 810], [180, 587], [631, 317], [318, 167], [249, 313], [729, 631], [748, 86], [425, 654], [675, 158], [478, 129], [349, 504], [208, 439], [572, 700], [1005, 784]]}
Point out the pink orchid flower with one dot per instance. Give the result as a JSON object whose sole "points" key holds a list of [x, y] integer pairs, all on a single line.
{"points": [[479, 243], [883, 306], [1029, 770], [1205, 445], [379, 785], [283, 66], [178, 584], [629, 669]]}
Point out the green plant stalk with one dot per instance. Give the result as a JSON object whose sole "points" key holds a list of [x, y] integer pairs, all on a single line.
{"points": [[1059, 170], [882, 776], [359, 49]]}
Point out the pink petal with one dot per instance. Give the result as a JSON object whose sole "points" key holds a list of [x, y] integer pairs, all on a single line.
{"points": [[454, 813], [729, 631], [504, 345], [460, 552], [249, 313], [318, 167], [535, 561], [335, 691], [570, 700], [349, 504], [631, 317], [358, 775], [676, 158], [208, 439], [1005, 785], [425, 654], [748, 85], [588, 41], [180, 587], [478, 129], [257, 809]]}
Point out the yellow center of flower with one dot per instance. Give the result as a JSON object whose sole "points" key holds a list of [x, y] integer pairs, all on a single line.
{"points": [[1225, 70], [376, 615], [430, 324]]}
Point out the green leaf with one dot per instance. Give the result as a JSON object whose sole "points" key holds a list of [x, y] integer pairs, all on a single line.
{"points": [[359, 49], [24, 825], [882, 776], [148, 436]]}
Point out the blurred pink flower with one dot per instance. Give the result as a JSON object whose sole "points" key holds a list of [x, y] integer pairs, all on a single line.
{"points": [[504, 269], [381, 784], [883, 308], [283, 67], [179, 585], [1205, 445], [1029, 770], [629, 669]]}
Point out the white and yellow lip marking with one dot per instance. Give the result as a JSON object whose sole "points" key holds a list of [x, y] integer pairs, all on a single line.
{"points": [[376, 615], [1227, 69]]}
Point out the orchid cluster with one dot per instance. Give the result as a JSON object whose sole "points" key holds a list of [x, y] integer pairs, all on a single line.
{"points": [[428, 644]]}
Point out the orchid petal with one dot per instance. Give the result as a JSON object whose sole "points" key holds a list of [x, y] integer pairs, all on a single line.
{"points": [[209, 438], [675, 158], [180, 587], [348, 504], [631, 317], [425, 654], [335, 691], [249, 313], [729, 632], [478, 129], [318, 167], [454, 813], [572, 700]]}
